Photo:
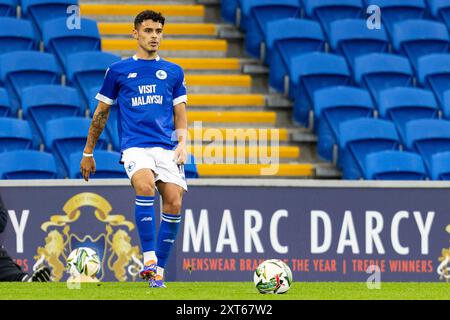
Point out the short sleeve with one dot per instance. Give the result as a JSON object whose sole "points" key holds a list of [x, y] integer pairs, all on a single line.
{"points": [[110, 90], [179, 91]]}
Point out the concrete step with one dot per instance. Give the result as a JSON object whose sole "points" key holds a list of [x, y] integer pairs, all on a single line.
{"points": [[170, 47], [147, 2], [327, 171], [206, 65], [198, 133], [226, 100], [116, 12], [228, 153], [156, 2], [218, 83], [237, 117], [173, 29], [298, 170]]}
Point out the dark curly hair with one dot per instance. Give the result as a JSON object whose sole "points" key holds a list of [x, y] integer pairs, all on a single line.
{"points": [[148, 15]]}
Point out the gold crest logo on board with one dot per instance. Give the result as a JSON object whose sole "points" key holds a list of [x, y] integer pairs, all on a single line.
{"points": [[117, 252], [444, 267]]}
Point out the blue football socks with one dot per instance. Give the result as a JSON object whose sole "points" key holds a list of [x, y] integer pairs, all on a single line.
{"points": [[145, 221], [168, 231]]}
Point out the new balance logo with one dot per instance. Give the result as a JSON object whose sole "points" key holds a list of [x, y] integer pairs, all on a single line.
{"points": [[169, 240], [146, 219], [132, 75]]}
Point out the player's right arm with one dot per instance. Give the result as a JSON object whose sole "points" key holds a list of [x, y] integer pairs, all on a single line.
{"points": [[98, 123], [106, 96]]}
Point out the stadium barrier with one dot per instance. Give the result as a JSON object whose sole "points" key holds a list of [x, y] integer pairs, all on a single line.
{"points": [[324, 230]]}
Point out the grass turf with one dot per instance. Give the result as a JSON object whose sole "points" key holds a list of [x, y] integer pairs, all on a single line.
{"points": [[222, 291]]}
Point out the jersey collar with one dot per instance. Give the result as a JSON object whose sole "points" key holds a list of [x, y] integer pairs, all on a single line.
{"points": [[135, 58]]}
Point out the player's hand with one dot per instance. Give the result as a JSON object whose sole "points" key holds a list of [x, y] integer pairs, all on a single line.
{"points": [[180, 153], [87, 166]]}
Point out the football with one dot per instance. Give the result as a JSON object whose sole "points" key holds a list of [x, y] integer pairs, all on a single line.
{"points": [[273, 276], [83, 261]]}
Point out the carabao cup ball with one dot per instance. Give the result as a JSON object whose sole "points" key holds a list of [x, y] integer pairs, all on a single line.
{"points": [[83, 261], [272, 276]]}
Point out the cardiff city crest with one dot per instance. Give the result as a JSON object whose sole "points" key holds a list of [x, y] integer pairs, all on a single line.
{"points": [[112, 244]]}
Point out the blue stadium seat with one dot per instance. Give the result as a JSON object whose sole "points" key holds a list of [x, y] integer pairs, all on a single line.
{"points": [[111, 125], [417, 38], [15, 134], [27, 164], [190, 168], [259, 13], [358, 138], [86, 70], [393, 11], [283, 7], [379, 71], [41, 11], [8, 8], [327, 11], [22, 69], [394, 165], [440, 9], [5, 105], [228, 10], [403, 104], [446, 105], [107, 165], [67, 135], [286, 38], [310, 72], [43, 103], [433, 72], [440, 166], [352, 38], [333, 106], [428, 137], [18, 34], [61, 41]]}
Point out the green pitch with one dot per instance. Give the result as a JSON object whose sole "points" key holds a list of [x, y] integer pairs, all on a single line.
{"points": [[222, 291]]}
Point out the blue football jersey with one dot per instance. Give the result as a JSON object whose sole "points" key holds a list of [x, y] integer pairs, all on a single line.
{"points": [[146, 92]]}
